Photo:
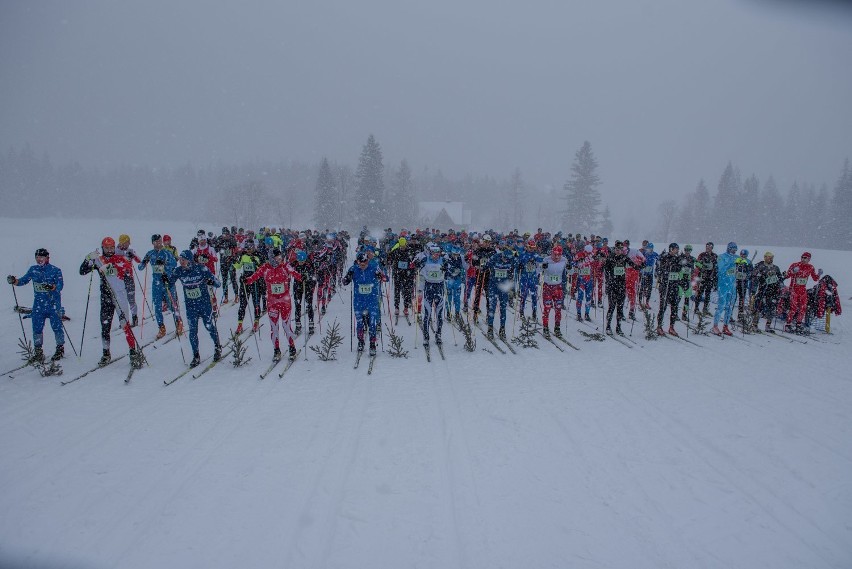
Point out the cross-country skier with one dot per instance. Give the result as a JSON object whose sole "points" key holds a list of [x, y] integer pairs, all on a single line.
{"points": [[456, 268], [129, 282], [433, 269], [247, 263], [400, 259], [585, 281], [726, 278], [528, 261], [500, 268], [112, 269], [162, 263], [196, 278], [615, 270], [705, 270], [646, 283], [303, 289], [744, 269], [366, 277], [798, 273], [766, 283], [277, 274], [554, 275], [669, 277], [47, 303]]}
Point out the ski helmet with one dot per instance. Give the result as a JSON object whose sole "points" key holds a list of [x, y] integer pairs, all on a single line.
{"points": [[769, 255], [744, 253], [649, 245], [276, 252], [186, 254], [673, 246], [167, 238], [806, 254], [42, 252], [156, 237], [225, 230], [361, 257], [731, 246], [618, 245], [124, 239], [108, 242], [688, 248], [557, 250], [301, 256]]}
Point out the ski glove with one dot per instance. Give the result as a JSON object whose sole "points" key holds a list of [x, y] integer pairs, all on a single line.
{"points": [[544, 265], [93, 255], [165, 280], [11, 280]]}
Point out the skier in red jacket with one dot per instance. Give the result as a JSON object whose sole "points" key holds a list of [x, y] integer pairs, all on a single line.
{"points": [[277, 274], [798, 273]]}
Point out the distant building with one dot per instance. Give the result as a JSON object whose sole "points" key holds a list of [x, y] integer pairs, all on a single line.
{"points": [[443, 215]]}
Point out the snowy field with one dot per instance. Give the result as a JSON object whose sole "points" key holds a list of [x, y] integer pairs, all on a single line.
{"points": [[731, 454]]}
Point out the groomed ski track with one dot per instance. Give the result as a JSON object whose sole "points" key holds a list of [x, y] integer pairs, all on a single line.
{"points": [[666, 456]]}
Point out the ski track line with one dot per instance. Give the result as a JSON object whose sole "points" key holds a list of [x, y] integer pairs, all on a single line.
{"points": [[190, 463], [345, 436], [743, 480], [604, 485]]}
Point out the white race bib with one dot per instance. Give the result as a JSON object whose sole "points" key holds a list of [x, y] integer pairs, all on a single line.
{"points": [[248, 267], [402, 265], [771, 280], [278, 288], [674, 276], [500, 273], [585, 271], [159, 269], [647, 270], [193, 293], [110, 271], [802, 281], [365, 288], [553, 279], [435, 275], [618, 271], [742, 276], [730, 272], [40, 287]]}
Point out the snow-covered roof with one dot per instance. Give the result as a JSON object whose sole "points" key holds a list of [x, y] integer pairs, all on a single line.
{"points": [[456, 211]]}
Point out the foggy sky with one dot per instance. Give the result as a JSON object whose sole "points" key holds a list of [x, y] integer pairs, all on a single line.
{"points": [[667, 91]]}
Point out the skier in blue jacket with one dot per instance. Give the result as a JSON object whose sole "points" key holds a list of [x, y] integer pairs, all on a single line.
{"points": [[501, 268], [727, 279], [196, 278], [47, 302], [366, 276], [162, 263], [528, 262]]}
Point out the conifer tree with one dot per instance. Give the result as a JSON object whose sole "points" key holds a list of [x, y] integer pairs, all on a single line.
{"points": [[581, 195], [841, 207], [326, 210], [516, 202], [402, 208], [370, 189], [725, 204], [769, 220]]}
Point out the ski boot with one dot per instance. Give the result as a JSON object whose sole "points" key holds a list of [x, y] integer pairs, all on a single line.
{"points": [[502, 333], [632, 314], [179, 327], [608, 330], [534, 316], [546, 333], [276, 355], [256, 325], [161, 332], [727, 331], [136, 358], [588, 319], [557, 332], [58, 354], [684, 315], [490, 334], [105, 358], [298, 328], [292, 353], [217, 353], [716, 331], [706, 312], [224, 300], [464, 307], [426, 341], [196, 359], [673, 332], [373, 346], [310, 328], [438, 341], [360, 344], [135, 321], [660, 331], [38, 356], [618, 329], [768, 329], [239, 327], [579, 317], [322, 310]]}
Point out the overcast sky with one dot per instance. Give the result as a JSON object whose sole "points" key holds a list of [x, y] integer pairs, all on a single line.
{"points": [[667, 91]]}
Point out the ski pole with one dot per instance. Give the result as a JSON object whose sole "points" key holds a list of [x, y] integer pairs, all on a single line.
{"points": [[351, 317], [20, 319], [86, 315], [175, 318]]}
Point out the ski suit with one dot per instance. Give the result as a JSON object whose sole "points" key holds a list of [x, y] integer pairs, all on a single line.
{"points": [[247, 263], [500, 282], [705, 266], [726, 278], [798, 273], [687, 265], [479, 259], [744, 269], [324, 265], [632, 276], [433, 272], [47, 301], [226, 246], [303, 289], [615, 269], [669, 277], [646, 284], [129, 281], [400, 261], [367, 297], [766, 285], [112, 270], [455, 274], [277, 278], [554, 276], [601, 253], [528, 276], [195, 279], [162, 263], [585, 281]]}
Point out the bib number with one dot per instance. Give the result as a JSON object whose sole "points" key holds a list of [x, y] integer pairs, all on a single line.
{"points": [[771, 280], [248, 267], [585, 271], [278, 288], [618, 271], [365, 289], [742, 276], [159, 269], [554, 279], [647, 270], [40, 287], [401, 265], [501, 274], [571, 271], [435, 275], [802, 281], [674, 276], [730, 272], [193, 293], [530, 267], [110, 271]]}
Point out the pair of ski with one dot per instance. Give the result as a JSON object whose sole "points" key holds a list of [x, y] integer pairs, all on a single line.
{"points": [[112, 361], [407, 319], [429, 356], [493, 340], [275, 362], [358, 361], [227, 350]]}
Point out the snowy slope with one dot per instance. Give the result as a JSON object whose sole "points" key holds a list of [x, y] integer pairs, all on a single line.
{"points": [[732, 454]]}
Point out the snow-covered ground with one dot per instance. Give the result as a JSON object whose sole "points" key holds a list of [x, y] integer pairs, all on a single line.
{"points": [[734, 454]]}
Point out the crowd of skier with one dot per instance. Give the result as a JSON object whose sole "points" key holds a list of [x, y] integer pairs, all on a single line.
{"points": [[437, 275]]}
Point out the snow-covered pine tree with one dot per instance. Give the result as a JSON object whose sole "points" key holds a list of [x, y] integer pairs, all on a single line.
{"points": [[725, 204], [582, 199], [516, 199], [841, 207], [769, 212], [402, 207], [370, 189], [326, 200], [327, 350], [606, 223]]}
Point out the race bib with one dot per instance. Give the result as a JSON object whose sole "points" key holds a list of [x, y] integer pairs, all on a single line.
{"points": [[708, 266], [530, 267], [674, 276], [553, 279], [159, 269], [730, 272], [501, 274], [365, 288], [771, 280], [435, 275], [802, 281], [110, 271], [585, 271], [192, 293], [647, 270], [742, 276], [41, 287], [572, 270], [402, 265], [618, 271], [278, 288], [248, 267]]}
